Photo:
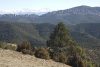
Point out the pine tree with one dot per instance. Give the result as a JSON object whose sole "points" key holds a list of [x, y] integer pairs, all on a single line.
{"points": [[63, 47], [60, 43], [59, 37]]}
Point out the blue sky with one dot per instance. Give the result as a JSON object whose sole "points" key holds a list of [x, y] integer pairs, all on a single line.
{"points": [[44, 5]]}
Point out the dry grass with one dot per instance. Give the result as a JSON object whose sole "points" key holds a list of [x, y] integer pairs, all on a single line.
{"points": [[10, 58]]}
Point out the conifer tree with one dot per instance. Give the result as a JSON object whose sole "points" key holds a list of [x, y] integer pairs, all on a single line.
{"points": [[59, 37], [61, 42]]}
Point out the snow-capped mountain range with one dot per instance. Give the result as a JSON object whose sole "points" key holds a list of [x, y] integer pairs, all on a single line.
{"points": [[23, 11]]}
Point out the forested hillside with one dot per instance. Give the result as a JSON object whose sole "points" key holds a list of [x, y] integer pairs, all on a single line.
{"points": [[37, 34]]}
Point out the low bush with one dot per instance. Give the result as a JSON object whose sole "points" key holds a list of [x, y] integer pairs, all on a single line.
{"points": [[42, 53], [10, 46], [62, 58], [26, 48], [59, 57], [25, 51], [25, 45], [75, 61]]}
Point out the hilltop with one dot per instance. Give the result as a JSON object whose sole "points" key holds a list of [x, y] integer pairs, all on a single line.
{"points": [[10, 58]]}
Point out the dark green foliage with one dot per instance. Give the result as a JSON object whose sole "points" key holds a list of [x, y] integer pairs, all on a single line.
{"points": [[59, 37], [62, 57], [64, 49], [42, 53], [59, 57]]}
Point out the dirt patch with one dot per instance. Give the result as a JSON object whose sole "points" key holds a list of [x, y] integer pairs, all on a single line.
{"points": [[10, 58]]}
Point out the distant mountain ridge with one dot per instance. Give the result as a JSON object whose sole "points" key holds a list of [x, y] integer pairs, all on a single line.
{"points": [[76, 15], [25, 18], [80, 14], [79, 10], [21, 12]]}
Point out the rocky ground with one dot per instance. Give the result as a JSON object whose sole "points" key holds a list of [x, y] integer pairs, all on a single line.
{"points": [[10, 58]]}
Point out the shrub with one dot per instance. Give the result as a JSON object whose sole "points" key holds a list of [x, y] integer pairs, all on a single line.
{"points": [[42, 53], [25, 45], [10, 46], [62, 58], [25, 51], [75, 61], [2, 45], [59, 57], [60, 42]]}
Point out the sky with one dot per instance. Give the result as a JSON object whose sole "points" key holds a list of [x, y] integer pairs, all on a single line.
{"points": [[43, 5]]}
